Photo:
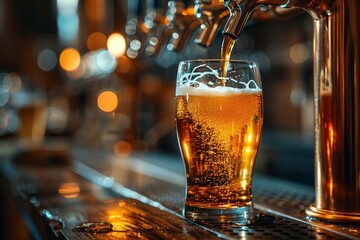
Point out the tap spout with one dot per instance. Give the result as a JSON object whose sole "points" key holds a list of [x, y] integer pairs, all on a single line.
{"points": [[212, 14], [240, 10]]}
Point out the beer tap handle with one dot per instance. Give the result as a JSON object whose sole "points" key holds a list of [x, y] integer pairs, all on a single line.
{"points": [[212, 15], [240, 10], [184, 23]]}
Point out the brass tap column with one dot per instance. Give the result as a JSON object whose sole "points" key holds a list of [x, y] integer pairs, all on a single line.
{"points": [[336, 54], [337, 112]]}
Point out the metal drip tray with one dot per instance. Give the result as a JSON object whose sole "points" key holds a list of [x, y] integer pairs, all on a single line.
{"points": [[285, 201], [281, 228]]}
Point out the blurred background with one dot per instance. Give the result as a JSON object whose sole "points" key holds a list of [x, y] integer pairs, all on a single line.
{"points": [[101, 74]]}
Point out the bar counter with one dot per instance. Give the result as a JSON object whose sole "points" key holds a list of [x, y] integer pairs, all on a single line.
{"points": [[63, 192]]}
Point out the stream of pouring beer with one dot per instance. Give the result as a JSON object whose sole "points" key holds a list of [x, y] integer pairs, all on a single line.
{"points": [[226, 49]]}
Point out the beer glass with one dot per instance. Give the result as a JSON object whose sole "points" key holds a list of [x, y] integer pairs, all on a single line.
{"points": [[219, 118]]}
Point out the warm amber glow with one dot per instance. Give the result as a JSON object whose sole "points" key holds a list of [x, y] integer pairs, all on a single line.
{"points": [[188, 11], [250, 137], [107, 101], [122, 148], [96, 41], [123, 65], [69, 190], [244, 184], [69, 59], [186, 150], [95, 10], [331, 135], [12, 82], [79, 72], [116, 44], [299, 53]]}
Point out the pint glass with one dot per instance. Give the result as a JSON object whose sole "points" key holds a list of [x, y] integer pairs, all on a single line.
{"points": [[219, 117]]}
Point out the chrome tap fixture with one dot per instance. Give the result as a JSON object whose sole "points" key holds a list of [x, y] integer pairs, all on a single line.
{"points": [[185, 22], [173, 29], [161, 31], [211, 13], [336, 56]]}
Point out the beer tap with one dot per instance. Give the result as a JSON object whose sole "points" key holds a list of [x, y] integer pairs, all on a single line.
{"points": [[161, 32], [213, 15], [336, 56], [137, 28], [173, 27], [185, 22]]}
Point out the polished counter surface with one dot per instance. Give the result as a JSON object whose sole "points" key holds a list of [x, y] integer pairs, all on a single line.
{"points": [[90, 194]]}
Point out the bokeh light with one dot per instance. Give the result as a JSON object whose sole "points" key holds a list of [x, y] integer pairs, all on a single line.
{"points": [[12, 82], [105, 61], [69, 59], [116, 44], [67, 5], [122, 149], [299, 53], [107, 101], [58, 113], [89, 64], [69, 190], [4, 97], [135, 44], [131, 53], [47, 60], [96, 41], [13, 123]]}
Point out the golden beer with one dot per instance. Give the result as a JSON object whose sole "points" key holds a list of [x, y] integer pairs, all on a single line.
{"points": [[219, 132], [226, 48]]}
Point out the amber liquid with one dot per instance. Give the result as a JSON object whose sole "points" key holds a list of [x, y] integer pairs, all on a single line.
{"points": [[219, 144], [226, 49]]}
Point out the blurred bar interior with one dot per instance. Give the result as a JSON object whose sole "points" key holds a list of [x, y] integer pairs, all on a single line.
{"points": [[101, 74]]}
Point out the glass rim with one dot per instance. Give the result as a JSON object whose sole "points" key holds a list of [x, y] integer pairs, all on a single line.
{"points": [[217, 60]]}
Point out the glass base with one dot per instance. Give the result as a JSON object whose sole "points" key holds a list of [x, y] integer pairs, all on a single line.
{"points": [[332, 215], [242, 216]]}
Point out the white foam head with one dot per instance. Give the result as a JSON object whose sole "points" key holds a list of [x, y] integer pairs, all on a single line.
{"points": [[217, 91], [188, 80]]}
